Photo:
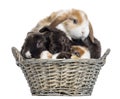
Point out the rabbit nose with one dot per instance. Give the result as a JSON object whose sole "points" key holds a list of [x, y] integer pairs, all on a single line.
{"points": [[82, 32]]}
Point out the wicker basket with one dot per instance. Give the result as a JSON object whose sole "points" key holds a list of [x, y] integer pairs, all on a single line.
{"points": [[60, 77]]}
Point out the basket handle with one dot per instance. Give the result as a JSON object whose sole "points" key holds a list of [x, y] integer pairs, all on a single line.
{"points": [[17, 55], [105, 54]]}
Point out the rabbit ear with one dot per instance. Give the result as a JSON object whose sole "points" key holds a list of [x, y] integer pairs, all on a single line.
{"points": [[59, 19], [91, 33]]}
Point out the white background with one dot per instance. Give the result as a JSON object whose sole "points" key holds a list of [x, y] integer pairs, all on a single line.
{"points": [[19, 17]]}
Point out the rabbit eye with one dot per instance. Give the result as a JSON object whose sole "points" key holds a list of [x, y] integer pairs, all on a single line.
{"points": [[38, 44], [77, 54], [75, 21]]}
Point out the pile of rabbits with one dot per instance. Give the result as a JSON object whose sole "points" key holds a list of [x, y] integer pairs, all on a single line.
{"points": [[62, 35]]}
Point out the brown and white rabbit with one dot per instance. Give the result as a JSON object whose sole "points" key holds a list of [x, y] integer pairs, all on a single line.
{"points": [[75, 23], [77, 26], [77, 52], [80, 52]]}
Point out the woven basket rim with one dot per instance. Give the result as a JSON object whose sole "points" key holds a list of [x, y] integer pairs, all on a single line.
{"points": [[19, 58]]}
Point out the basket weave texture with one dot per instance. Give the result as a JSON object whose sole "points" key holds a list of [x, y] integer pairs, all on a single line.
{"points": [[62, 76]]}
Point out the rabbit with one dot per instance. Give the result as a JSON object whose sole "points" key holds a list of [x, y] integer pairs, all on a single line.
{"points": [[77, 52], [34, 45], [75, 23], [48, 41]]}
